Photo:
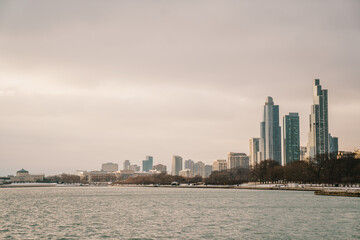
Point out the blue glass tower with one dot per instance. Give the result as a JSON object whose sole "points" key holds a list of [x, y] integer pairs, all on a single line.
{"points": [[291, 138], [270, 133]]}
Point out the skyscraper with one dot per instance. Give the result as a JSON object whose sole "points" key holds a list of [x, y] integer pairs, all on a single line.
{"points": [[126, 165], [147, 164], [199, 169], [189, 164], [208, 170], [318, 138], [254, 151], [176, 165], [291, 138], [270, 133], [334, 145]]}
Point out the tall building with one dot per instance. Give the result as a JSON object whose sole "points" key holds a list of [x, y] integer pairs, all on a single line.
{"points": [[270, 132], [219, 165], [254, 151], [291, 138], [208, 170], [189, 164], [147, 164], [318, 138], [199, 169], [235, 160], [176, 166], [126, 165], [109, 167], [334, 145]]}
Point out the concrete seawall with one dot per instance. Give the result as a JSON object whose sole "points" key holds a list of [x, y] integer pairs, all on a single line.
{"points": [[338, 193]]}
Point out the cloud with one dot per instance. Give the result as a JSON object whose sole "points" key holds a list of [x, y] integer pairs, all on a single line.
{"points": [[89, 82]]}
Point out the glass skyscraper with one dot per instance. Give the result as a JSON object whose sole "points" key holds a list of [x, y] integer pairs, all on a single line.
{"points": [[318, 138], [270, 133], [291, 138], [147, 164], [176, 166], [254, 151]]}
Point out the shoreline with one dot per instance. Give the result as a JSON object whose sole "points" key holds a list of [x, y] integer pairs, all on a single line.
{"points": [[326, 191]]}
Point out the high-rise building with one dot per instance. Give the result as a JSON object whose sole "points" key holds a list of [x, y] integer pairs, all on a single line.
{"points": [[160, 168], [176, 165], [109, 167], [270, 132], [189, 164], [199, 169], [254, 151], [208, 170], [147, 164], [235, 160], [219, 165], [126, 165], [318, 138], [291, 138], [334, 145]]}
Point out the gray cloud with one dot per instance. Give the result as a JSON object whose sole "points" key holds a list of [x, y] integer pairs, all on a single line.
{"points": [[84, 82]]}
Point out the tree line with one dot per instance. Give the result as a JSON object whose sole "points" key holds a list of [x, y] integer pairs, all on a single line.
{"points": [[323, 169]]}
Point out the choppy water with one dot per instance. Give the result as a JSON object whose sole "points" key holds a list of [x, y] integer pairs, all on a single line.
{"points": [[174, 213]]}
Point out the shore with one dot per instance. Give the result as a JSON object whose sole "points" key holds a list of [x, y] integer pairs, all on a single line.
{"points": [[318, 190]]}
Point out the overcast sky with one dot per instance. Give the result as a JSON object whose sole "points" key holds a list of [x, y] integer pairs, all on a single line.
{"points": [[88, 82]]}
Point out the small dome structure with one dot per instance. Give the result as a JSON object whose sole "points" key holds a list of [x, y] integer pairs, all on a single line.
{"points": [[22, 173]]}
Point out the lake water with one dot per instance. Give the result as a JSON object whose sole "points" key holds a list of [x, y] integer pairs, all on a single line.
{"points": [[174, 213]]}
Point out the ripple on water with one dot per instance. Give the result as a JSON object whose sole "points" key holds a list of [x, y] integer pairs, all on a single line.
{"points": [[174, 213]]}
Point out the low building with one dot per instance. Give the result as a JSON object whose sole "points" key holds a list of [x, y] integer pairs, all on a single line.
{"points": [[346, 154], [134, 168], [185, 173], [160, 168], [237, 160], [101, 176], [125, 174], [219, 165], [109, 167], [24, 176], [4, 180]]}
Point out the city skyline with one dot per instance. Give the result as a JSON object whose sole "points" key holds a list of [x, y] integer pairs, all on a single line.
{"points": [[119, 81]]}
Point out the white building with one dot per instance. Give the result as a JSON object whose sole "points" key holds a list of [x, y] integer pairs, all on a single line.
{"points": [[219, 165], [254, 151], [235, 160], [24, 176], [109, 167], [185, 173]]}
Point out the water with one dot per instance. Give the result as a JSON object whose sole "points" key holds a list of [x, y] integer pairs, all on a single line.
{"points": [[174, 213]]}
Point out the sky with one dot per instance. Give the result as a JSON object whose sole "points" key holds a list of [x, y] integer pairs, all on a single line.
{"points": [[88, 82]]}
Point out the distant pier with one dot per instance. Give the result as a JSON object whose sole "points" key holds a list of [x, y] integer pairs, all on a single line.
{"points": [[340, 193]]}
